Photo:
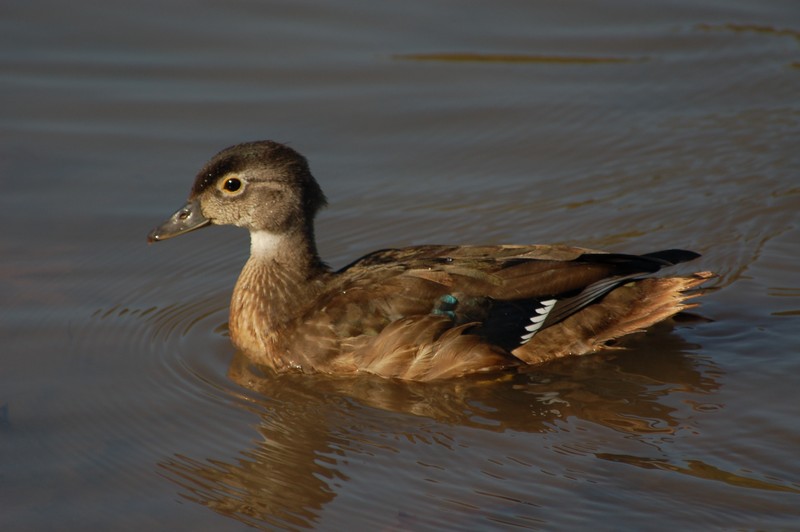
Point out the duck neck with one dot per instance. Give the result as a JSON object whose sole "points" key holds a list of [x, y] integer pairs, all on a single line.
{"points": [[279, 282]]}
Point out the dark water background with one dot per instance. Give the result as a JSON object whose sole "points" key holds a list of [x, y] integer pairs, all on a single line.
{"points": [[626, 126]]}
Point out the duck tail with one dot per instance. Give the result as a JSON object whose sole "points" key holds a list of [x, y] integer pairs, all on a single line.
{"points": [[627, 309]]}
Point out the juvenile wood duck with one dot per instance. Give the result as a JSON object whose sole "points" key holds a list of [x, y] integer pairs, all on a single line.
{"points": [[419, 313]]}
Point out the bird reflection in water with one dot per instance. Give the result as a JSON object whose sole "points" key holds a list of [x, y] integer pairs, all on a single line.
{"points": [[312, 425]]}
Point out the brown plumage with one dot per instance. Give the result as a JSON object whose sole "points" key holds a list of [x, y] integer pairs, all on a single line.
{"points": [[421, 313]]}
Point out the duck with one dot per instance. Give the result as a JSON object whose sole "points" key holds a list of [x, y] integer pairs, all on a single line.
{"points": [[420, 313]]}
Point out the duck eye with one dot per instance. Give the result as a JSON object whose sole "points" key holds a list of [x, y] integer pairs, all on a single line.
{"points": [[232, 185]]}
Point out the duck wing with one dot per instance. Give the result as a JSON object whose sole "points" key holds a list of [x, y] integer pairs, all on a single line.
{"points": [[448, 310]]}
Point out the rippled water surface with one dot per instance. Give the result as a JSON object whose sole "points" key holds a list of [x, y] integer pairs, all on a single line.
{"points": [[628, 127]]}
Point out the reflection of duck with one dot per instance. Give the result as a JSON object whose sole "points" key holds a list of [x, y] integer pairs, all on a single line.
{"points": [[419, 313], [314, 432]]}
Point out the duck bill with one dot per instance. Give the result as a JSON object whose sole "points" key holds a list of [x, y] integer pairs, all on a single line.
{"points": [[187, 218]]}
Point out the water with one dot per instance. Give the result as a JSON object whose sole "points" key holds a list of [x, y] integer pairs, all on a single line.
{"points": [[630, 128]]}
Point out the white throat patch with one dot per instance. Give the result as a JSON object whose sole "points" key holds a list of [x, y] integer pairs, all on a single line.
{"points": [[264, 243]]}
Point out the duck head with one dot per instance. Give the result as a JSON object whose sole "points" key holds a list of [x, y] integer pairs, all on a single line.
{"points": [[263, 186]]}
